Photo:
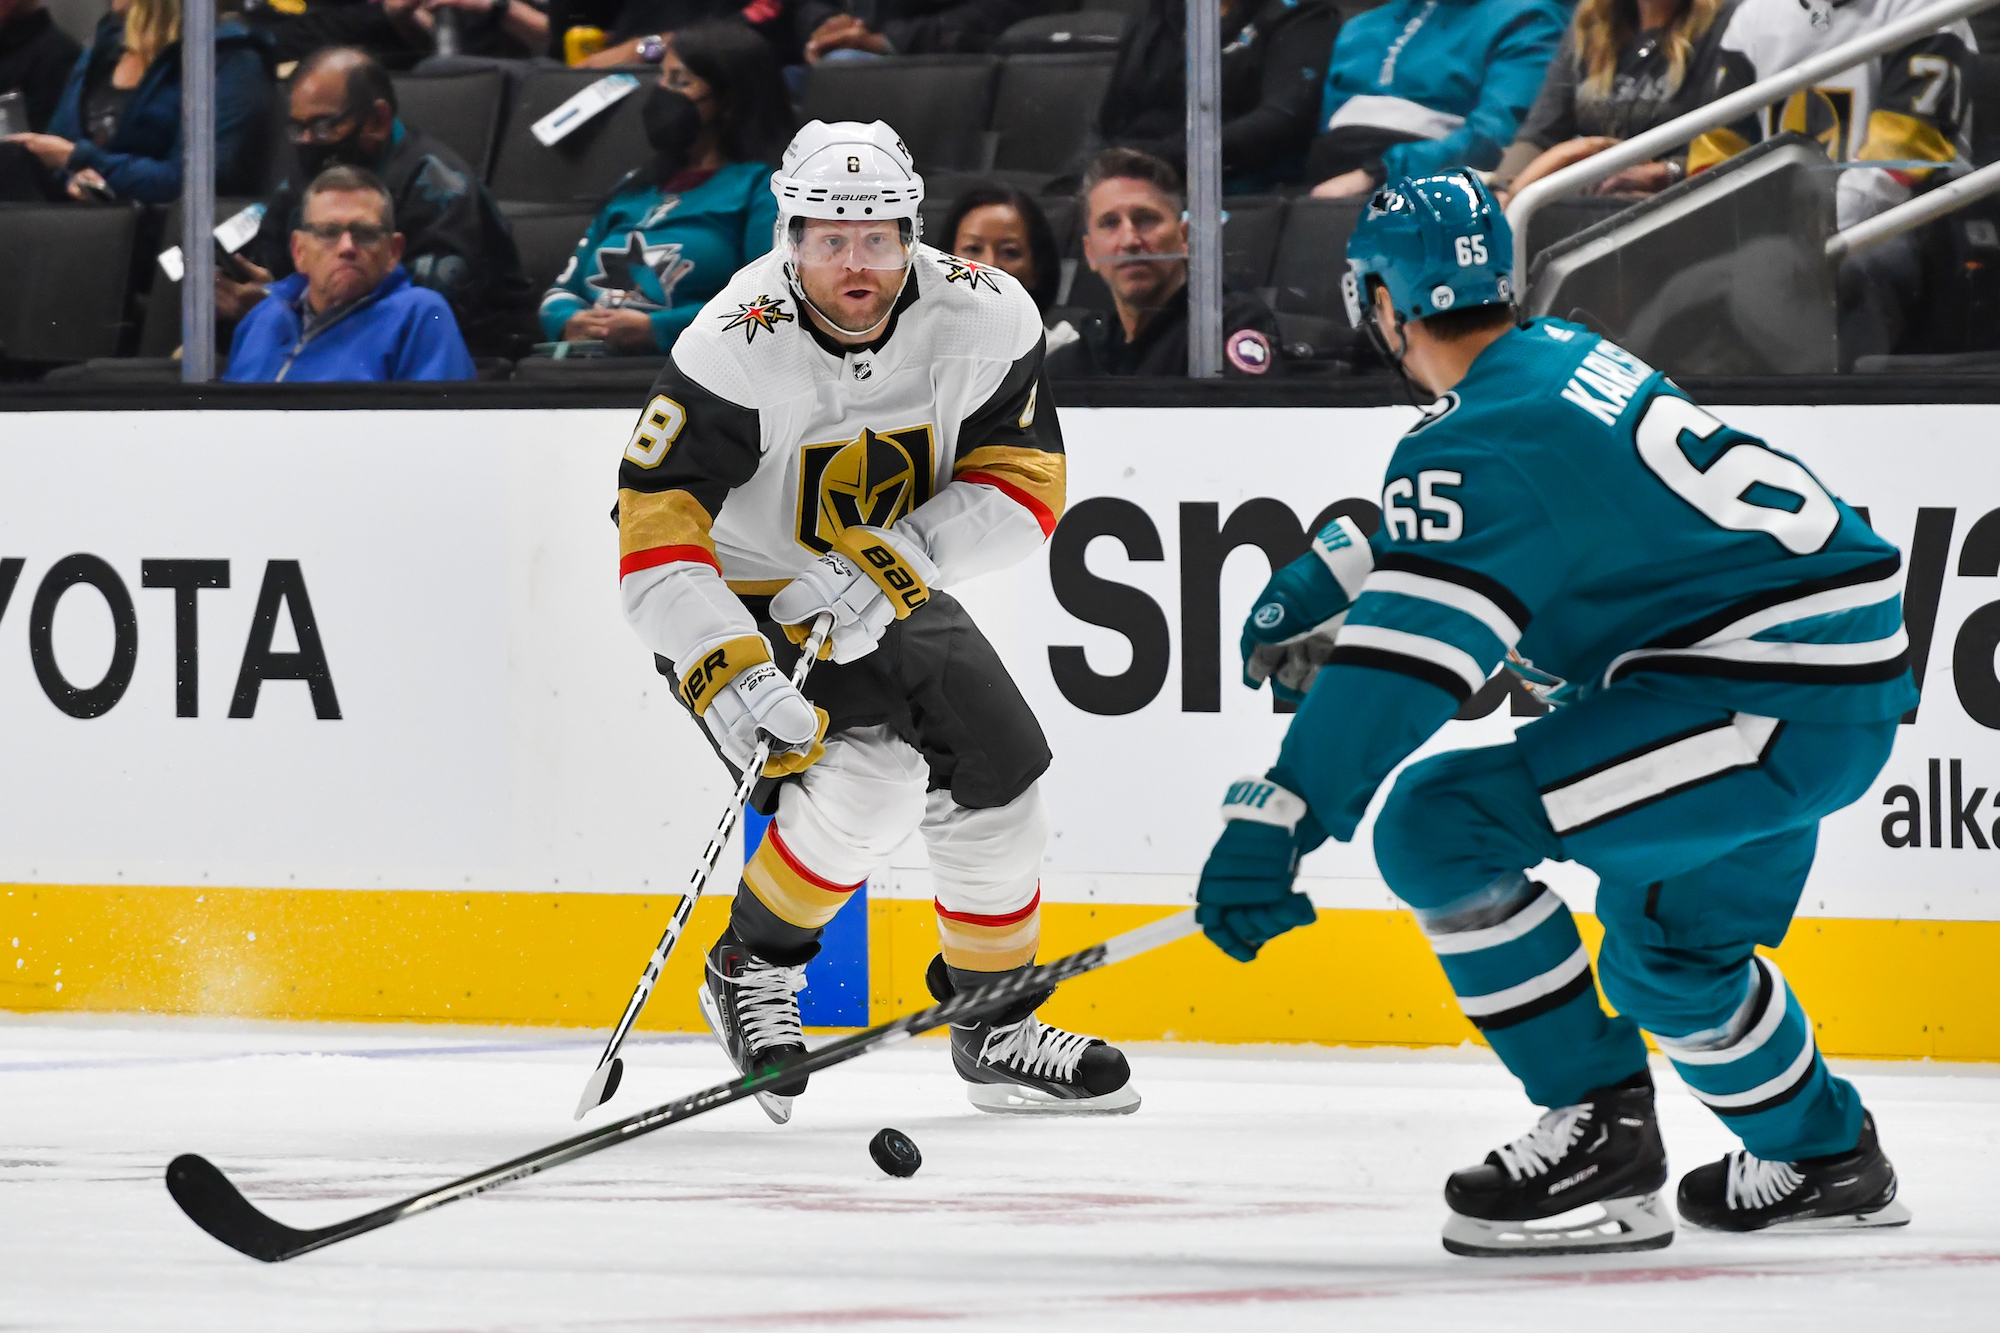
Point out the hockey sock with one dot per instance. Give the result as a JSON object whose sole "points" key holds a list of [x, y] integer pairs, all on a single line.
{"points": [[1519, 968], [1000, 942], [1762, 1074], [781, 906]]}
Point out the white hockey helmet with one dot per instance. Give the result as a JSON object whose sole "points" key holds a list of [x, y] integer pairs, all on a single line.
{"points": [[848, 172]]}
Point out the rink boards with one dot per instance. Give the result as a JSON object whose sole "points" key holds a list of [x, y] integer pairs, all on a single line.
{"points": [[334, 714]]}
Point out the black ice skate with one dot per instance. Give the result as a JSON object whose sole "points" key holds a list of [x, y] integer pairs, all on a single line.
{"points": [[1015, 1064], [752, 1007], [1856, 1188], [1585, 1179]]}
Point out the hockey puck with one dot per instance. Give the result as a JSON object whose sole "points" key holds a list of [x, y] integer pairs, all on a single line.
{"points": [[895, 1153]]}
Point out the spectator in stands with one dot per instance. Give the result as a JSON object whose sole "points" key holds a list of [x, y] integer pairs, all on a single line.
{"points": [[675, 230], [1905, 106], [116, 133], [1421, 86], [350, 311], [343, 112], [636, 31], [505, 28], [1004, 228], [35, 59], [1135, 238], [1625, 66], [1274, 55], [858, 29]]}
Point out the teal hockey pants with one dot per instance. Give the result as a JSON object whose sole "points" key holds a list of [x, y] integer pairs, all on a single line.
{"points": [[1701, 825]]}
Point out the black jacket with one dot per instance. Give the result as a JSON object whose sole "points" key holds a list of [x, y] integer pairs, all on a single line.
{"points": [[1249, 342], [925, 27], [35, 60], [1274, 55], [455, 240]]}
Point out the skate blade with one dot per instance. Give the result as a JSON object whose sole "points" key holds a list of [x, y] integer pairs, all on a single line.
{"points": [[1013, 1099], [776, 1107], [1638, 1223], [1891, 1214]]}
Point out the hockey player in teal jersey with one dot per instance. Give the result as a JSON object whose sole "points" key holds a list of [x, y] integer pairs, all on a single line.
{"points": [[1723, 643]]}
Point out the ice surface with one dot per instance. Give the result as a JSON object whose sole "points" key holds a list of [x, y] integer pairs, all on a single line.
{"points": [[1256, 1189]]}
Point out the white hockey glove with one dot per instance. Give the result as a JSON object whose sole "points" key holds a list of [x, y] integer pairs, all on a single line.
{"points": [[737, 691], [871, 577]]}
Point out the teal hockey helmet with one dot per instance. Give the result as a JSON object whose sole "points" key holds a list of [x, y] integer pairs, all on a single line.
{"points": [[1437, 243]]}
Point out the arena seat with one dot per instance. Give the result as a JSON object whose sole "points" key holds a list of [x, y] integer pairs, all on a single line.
{"points": [[65, 278], [545, 240], [1723, 274], [1077, 32], [580, 169], [939, 104], [462, 110], [1044, 107], [160, 325], [1982, 94]]}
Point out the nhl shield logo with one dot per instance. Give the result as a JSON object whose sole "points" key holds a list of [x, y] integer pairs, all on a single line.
{"points": [[869, 481]]}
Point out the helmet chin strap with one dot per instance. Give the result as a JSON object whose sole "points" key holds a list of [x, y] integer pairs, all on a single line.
{"points": [[1395, 358], [798, 282]]}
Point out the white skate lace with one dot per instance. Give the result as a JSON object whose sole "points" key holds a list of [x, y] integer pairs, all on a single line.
{"points": [[1034, 1048], [765, 1009], [1547, 1143], [1755, 1183]]}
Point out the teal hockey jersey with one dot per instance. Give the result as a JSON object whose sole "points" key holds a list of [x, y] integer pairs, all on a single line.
{"points": [[1570, 507]]}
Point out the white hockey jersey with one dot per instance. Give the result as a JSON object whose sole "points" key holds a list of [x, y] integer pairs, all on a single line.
{"points": [[764, 439], [1906, 106]]}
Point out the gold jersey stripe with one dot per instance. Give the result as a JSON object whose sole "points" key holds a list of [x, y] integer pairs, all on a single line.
{"points": [[648, 520], [1043, 476], [1893, 136], [1718, 145]]}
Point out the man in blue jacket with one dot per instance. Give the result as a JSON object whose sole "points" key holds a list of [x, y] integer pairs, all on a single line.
{"points": [[350, 312], [1419, 87]]}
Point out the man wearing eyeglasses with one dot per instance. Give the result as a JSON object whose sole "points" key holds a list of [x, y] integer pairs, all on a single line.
{"points": [[344, 113], [350, 311]]}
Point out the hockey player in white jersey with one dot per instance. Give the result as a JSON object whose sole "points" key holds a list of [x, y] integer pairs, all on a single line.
{"points": [[854, 424], [1906, 109]]}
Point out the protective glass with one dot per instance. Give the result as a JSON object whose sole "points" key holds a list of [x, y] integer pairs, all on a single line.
{"points": [[880, 247]]}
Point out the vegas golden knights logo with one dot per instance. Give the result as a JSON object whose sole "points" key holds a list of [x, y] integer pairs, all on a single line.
{"points": [[869, 481]]}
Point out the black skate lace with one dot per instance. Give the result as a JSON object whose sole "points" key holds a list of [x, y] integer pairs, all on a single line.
{"points": [[1756, 1183], [1035, 1048], [765, 1009], [1546, 1144]]}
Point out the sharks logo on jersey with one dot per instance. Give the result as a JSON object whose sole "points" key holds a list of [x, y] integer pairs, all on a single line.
{"points": [[869, 481], [640, 276]]}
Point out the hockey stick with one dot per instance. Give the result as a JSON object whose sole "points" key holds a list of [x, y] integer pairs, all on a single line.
{"points": [[603, 1080], [219, 1208]]}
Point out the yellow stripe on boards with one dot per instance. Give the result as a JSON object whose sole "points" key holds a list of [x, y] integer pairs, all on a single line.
{"points": [[561, 958], [1874, 988]]}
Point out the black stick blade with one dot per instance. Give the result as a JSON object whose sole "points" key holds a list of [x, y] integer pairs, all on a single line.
{"points": [[219, 1208]]}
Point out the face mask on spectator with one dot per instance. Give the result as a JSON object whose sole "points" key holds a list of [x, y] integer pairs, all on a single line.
{"points": [[672, 123], [315, 156]]}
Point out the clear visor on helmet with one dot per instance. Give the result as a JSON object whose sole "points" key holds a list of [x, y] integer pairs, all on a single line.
{"points": [[821, 244]]}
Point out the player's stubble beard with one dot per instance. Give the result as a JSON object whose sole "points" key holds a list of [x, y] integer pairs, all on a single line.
{"points": [[848, 279]]}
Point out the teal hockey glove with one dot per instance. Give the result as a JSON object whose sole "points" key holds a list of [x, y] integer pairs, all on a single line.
{"points": [[1290, 632], [1246, 897]]}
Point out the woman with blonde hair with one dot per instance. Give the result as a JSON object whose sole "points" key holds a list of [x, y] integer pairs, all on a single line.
{"points": [[116, 134], [1624, 67]]}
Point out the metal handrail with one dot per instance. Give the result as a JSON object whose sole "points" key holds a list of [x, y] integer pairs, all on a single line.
{"points": [[1645, 147], [1914, 213]]}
